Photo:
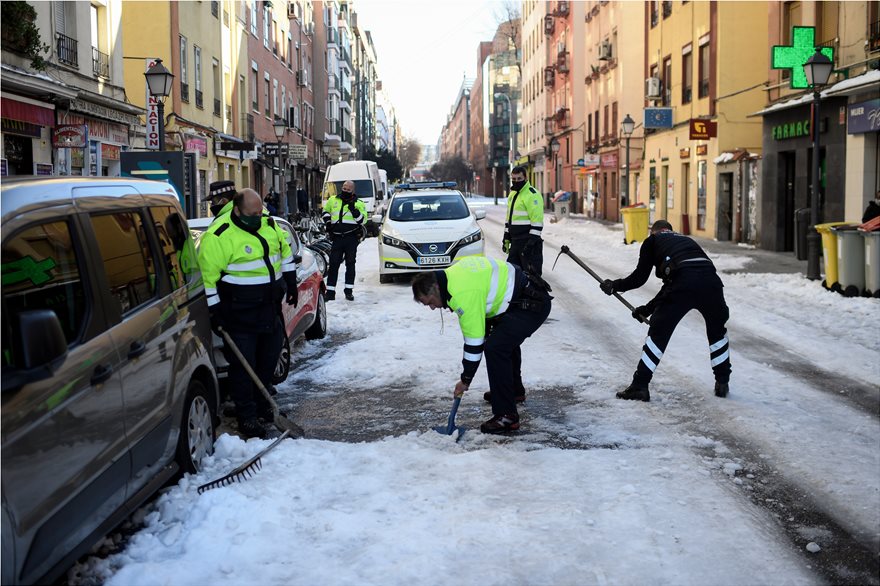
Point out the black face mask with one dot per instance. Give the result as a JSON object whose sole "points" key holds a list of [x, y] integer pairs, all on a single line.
{"points": [[517, 185], [215, 208], [347, 196]]}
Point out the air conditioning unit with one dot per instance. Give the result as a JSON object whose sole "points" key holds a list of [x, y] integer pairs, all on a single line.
{"points": [[291, 10], [301, 77], [652, 88], [605, 51]]}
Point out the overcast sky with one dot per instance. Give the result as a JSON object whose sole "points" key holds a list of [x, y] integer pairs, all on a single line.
{"points": [[424, 50]]}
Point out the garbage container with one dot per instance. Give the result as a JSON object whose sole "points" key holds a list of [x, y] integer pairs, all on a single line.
{"points": [[829, 251], [801, 226], [562, 204], [635, 223], [850, 259], [872, 262]]}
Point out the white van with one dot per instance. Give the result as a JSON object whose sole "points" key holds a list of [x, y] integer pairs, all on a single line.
{"points": [[367, 184], [383, 181]]}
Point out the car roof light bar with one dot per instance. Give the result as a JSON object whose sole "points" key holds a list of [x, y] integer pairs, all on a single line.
{"points": [[426, 185]]}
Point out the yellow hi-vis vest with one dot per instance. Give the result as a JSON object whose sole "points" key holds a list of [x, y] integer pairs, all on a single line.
{"points": [[525, 213]]}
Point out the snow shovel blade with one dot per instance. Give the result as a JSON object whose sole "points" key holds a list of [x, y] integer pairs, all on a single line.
{"points": [[450, 427], [245, 471]]}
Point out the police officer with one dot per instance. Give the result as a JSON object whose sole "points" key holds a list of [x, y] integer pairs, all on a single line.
{"points": [[485, 292], [344, 215], [689, 282], [220, 194], [248, 267], [525, 221]]}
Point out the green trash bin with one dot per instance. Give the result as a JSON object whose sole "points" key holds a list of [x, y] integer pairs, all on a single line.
{"points": [[635, 223], [829, 251], [872, 262], [850, 260]]}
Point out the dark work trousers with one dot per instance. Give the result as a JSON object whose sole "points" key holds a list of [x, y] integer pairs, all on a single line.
{"points": [[503, 355], [344, 246], [262, 352], [532, 262], [690, 288]]}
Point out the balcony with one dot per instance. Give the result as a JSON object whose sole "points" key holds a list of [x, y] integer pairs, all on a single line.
{"points": [[562, 8], [549, 24], [100, 63], [200, 102], [346, 136], [874, 36], [332, 36], [216, 107], [549, 76], [562, 62], [184, 92], [247, 127], [333, 83], [67, 49], [346, 96], [550, 125], [563, 120]]}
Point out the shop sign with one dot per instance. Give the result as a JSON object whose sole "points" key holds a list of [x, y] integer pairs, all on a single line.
{"points": [[793, 57], [702, 149], [791, 130], [684, 153], [43, 169], [703, 129], [299, 152], [4, 168], [109, 151], [22, 128], [196, 145], [69, 136], [863, 117], [590, 160], [104, 112], [101, 130], [609, 161]]}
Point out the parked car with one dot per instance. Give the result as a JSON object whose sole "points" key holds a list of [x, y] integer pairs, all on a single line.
{"points": [[108, 386], [428, 226], [308, 318]]}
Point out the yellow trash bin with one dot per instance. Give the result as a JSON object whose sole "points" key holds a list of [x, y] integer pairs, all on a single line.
{"points": [[635, 223], [829, 251]]}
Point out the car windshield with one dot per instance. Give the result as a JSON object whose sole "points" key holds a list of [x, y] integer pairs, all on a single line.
{"points": [[362, 187], [417, 208]]}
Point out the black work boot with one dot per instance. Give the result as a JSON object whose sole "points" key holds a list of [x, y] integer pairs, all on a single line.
{"points": [[252, 428], [518, 398], [330, 295], [635, 392], [349, 295], [721, 389], [501, 424]]}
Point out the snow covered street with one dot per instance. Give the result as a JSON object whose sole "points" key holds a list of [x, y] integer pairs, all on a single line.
{"points": [[777, 484]]}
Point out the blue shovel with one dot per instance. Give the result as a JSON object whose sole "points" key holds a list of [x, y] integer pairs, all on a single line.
{"points": [[450, 423]]}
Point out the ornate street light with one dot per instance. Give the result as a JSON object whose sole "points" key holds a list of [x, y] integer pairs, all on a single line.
{"points": [[818, 70], [280, 128], [554, 148], [628, 125], [159, 81]]}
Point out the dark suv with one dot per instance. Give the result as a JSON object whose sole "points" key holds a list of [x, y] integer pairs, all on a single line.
{"points": [[108, 387]]}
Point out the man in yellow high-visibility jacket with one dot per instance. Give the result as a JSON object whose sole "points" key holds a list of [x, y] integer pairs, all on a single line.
{"points": [[248, 267], [525, 221], [344, 215], [485, 292]]}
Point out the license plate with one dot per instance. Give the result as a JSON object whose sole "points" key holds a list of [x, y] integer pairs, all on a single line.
{"points": [[434, 260]]}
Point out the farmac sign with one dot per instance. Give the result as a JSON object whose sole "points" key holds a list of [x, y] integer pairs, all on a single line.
{"points": [[791, 130]]}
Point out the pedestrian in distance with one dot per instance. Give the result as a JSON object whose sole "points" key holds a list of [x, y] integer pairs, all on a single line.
{"points": [[498, 307], [344, 215], [525, 220], [220, 194], [689, 282], [248, 268]]}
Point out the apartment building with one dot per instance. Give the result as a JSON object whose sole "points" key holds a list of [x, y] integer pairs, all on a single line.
{"points": [[479, 131], [308, 89], [455, 136], [705, 62], [849, 125], [73, 117], [346, 80], [537, 24], [365, 83]]}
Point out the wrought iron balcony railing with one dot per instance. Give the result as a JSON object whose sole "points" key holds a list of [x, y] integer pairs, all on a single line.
{"points": [[100, 63], [67, 49]]}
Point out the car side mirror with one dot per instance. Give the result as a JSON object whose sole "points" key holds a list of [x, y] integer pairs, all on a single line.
{"points": [[376, 218], [480, 214], [39, 342], [297, 259]]}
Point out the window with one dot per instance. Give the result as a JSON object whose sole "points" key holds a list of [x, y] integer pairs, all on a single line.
{"points": [[215, 8], [614, 119], [197, 66], [255, 88], [605, 120], [242, 96], [40, 271], [596, 115], [704, 71], [128, 260], [254, 17], [654, 13], [687, 73], [265, 27], [218, 91], [275, 97], [589, 128], [184, 78], [178, 250], [667, 81], [267, 85]]}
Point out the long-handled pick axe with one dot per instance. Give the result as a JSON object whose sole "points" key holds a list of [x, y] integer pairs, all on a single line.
{"points": [[583, 265]]}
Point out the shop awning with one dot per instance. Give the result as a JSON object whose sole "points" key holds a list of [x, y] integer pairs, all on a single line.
{"points": [[26, 112]]}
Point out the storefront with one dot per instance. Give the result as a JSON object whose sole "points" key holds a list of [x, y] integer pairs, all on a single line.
{"points": [[26, 126], [107, 136]]}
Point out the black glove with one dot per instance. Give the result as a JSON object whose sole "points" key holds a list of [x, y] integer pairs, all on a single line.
{"points": [[352, 208], [607, 287], [292, 296], [530, 245], [216, 318], [642, 313]]}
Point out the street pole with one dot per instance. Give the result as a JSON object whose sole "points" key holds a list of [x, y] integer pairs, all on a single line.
{"points": [[812, 234], [160, 108], [628, 125]]}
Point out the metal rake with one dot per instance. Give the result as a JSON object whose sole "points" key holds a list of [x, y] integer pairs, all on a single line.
{"points": [[246, 470]]}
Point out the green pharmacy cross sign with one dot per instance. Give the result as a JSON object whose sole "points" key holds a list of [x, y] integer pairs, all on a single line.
{"points": [[799, 52]]}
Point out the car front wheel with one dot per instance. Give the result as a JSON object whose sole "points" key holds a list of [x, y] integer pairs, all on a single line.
{"points": [[319, 328], [282, 369], [385, 279], [196, 440]]}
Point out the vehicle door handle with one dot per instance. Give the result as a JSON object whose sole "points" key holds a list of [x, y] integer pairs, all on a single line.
{"points": [[101, 373], [136, 349]]}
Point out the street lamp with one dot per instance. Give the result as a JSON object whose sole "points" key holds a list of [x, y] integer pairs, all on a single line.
{"points": [[498, 96], [818, 70], [280, 127], [628, 126], [159, 83], [554, 147]]}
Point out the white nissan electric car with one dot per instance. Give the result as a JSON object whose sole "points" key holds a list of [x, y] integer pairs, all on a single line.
{"points": [[427, 226]]}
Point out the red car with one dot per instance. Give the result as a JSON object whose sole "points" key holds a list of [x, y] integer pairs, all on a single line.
{"points": [[308, 318]]}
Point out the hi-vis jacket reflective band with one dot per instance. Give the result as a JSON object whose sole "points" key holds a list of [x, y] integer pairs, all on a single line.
{"points": [[480, 288], [336, 212], [235, 256], [525, 212]]}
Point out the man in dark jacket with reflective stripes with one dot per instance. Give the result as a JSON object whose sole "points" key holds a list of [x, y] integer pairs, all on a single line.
{"points": [[689, 282]]}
